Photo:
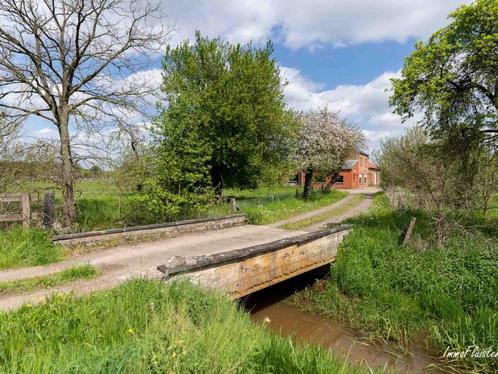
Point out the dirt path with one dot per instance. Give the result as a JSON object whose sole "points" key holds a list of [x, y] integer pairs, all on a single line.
{"points": [[313, 213], [141, 259], [354, 211]]}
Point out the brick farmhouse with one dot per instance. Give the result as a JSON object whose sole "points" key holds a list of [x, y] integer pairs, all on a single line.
{"points": [[357, 172]]}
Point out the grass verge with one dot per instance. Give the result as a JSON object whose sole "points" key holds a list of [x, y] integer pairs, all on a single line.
{"points": [[446, 298], [355, 201], [20, 247], [266, 205], [146, 326], [48, 281]]}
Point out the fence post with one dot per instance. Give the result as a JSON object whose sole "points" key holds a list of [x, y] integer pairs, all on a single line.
{"points": [[233, 205], [49, 210], [26, 210], [409, 231]]}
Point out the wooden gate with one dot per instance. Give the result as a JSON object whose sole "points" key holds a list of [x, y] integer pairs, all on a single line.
{"points": [[24, 200]]}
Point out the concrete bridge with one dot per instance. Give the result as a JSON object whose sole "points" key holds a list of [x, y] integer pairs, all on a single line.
{"points": [[241, 272], [223, 253]]}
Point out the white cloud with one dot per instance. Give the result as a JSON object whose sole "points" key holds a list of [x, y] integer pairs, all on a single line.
{"points": [[310, 23], [366, 105], [45, 133]]}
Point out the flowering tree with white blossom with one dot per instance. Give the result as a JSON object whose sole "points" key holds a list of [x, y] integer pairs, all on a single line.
{"points": [[324, 143]]}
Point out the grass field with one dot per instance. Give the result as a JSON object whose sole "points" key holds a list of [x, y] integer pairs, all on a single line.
{"points": [[149, 327], [63, 277], [445, 298], [102, 205]]}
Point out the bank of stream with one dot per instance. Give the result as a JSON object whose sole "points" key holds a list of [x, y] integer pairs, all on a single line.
{"points": [[270, 307]]}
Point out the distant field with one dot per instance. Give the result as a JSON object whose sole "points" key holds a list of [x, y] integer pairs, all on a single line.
{"points": [[100, 202], [493, 211]]}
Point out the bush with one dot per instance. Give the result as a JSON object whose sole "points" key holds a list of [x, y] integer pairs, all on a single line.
{"points": [[156, 204]]}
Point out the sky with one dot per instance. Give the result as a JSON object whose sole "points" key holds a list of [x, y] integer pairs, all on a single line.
{"points": [[335, 53]]}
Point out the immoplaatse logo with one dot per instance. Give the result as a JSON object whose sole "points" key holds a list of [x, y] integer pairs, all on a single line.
{"points": [[472, 351]]}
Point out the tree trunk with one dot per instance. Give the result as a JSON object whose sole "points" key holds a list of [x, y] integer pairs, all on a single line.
{"points": [[68, 207], [217, 181], [308, 179], [333, 176]]}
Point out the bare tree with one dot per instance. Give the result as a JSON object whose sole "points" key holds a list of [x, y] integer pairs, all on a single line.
{"points": [[76, 64], [424, 177]]}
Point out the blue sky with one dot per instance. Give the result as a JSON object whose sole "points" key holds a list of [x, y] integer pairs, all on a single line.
{"points": [[357, 64], [335, 53]]}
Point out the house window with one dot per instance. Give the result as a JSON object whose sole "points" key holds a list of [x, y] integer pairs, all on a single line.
{"points": [[294, 179], [339, 179]]}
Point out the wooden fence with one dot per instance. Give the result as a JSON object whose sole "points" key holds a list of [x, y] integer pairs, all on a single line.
{"points": [[24, 200]]}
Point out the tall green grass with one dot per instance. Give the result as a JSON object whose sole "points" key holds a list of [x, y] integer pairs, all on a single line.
{"points": [[102, 212], [449, 295], [149, 327], [20, 247]]}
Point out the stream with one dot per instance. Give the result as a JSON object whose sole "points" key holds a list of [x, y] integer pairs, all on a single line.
{"points": [[269, 307]]}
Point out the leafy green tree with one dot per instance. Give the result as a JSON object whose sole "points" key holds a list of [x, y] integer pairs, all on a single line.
{"points": [[176, 182], [229, 98], [452, 79]]}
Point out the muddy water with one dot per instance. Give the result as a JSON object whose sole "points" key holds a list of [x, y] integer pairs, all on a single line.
{"points": [[268, 307]]}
